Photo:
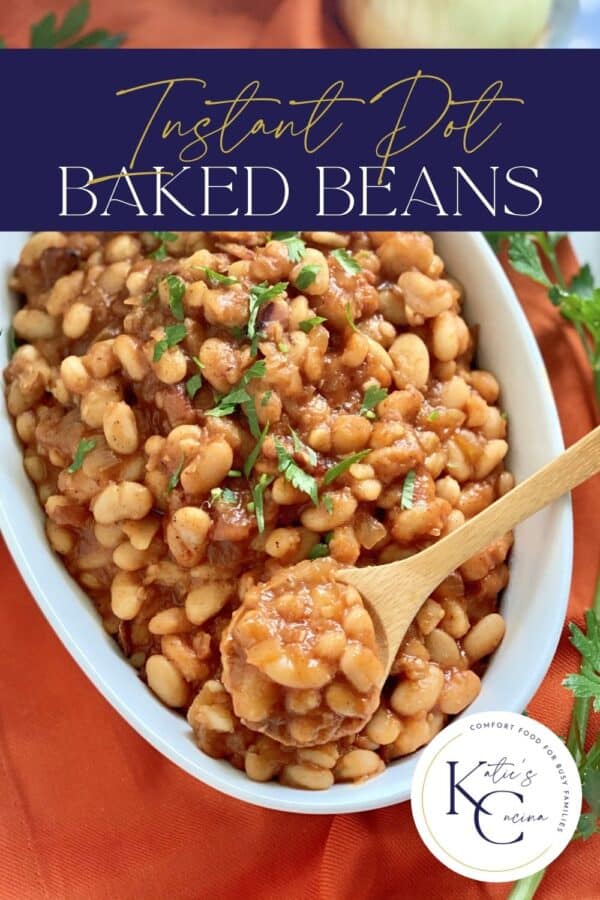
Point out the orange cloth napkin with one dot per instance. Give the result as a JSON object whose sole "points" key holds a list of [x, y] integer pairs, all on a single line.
{"points": [[87, 808]]}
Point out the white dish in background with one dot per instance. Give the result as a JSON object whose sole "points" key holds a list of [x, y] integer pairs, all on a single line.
{"points": [[533, 605]]}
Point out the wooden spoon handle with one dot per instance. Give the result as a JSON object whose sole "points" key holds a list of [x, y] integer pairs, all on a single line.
{"points": [[579, 462]]}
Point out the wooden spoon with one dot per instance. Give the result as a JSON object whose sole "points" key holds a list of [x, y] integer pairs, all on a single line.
{"points": [[395, 592]]}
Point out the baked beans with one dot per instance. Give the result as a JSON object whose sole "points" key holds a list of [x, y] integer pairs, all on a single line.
{"points": [[213, 421]]}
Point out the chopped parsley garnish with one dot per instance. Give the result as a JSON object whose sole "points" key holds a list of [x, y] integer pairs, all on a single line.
{"points": [[234, 473], [266, 397], [349, 317], [318, 551], [301, 447], [283, 348], [12, 341], [216, 279], [295, 245], [344, 465], [373, 396], [408, 490], [85, 446], [165, 237], [306, 276], [174, 479], [239, 396], [193, 385], [434, 415], [297, 477], [321, 549], [255, 452], [328, 503], [176, 288], [259, 295], [347, 262], [224, 495], [258, 499], [308, 324], [174, 334]]}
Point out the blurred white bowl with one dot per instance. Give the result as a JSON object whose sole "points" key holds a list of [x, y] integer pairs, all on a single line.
{"points": [[533, 605]]}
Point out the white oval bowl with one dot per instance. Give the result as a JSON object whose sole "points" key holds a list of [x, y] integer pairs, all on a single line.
{"points": [[534, 604]]}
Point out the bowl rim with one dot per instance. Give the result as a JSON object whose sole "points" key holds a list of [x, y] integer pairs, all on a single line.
{"points": [[339, 798]]}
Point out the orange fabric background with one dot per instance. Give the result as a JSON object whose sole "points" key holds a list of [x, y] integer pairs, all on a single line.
{"points": [[87, 808]]}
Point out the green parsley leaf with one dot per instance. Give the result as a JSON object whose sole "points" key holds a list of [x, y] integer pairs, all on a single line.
{"points": [[373, 396], [318, 551], [193, 385], [308, 324], [524, 256], [238, 395], [165, 237], [497, 238], [234, 473], [587, 826], [295, 245], [13, 341], [259, 295], [283, 348], [586, 683], [174, 479], [583, 283], [408, 490], [224, 495], [344, 465], [328, 503], [215, 279], [174, 334], [255, 452], [306, 276], [301, 447], [176, 288], [45, 34], [346, 261], [266, 397], [227, 404], [434, 415], [349, 317], [85, 446], [258, 494], [297, 477]]}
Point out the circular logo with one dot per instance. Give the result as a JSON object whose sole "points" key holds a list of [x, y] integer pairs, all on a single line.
{"points": [[496, 796]]}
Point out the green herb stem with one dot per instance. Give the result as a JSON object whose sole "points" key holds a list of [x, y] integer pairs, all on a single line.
{"points": [[525, 888]]}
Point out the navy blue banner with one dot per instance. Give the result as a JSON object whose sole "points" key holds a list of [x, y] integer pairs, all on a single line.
{"points": [[149, 139]]}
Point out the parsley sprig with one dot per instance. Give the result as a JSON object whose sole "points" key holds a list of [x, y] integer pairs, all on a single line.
{"points": [[307, 325], [217, 279], [530, 252], [348, 263], [534, 254], [174, 334], [48, 34], [294, 243], [85, 446], [343, 465], [296, 476], [165, 237], [259, 295], [372, 397], [238, 396]]}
